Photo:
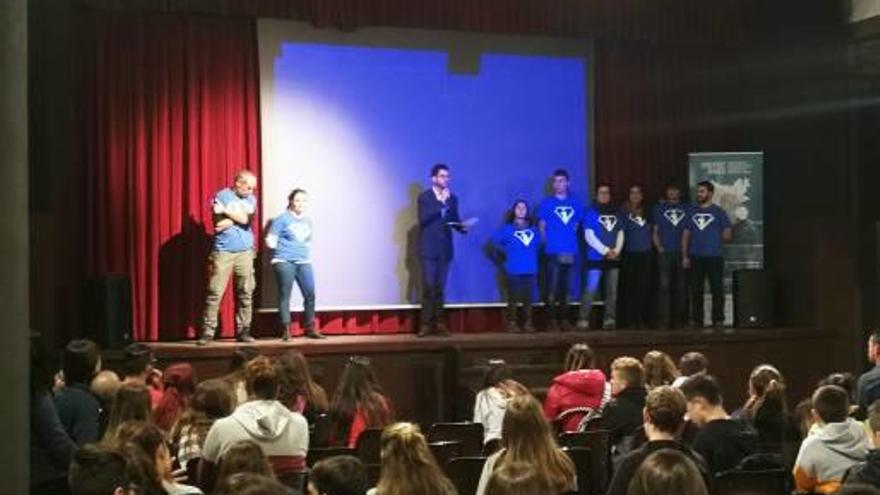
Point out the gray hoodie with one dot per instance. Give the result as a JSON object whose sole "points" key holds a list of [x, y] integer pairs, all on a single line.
{"points": [[280, 432], [824, 457]]}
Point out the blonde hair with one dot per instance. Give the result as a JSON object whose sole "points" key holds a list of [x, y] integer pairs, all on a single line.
{"points": [[528, 438], [408, 466], [659, 369], [630, 370]]}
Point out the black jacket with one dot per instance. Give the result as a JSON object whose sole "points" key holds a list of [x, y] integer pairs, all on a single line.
{"points": [[80, 412], [867, 472], [51, 447], [435, 235], [723, 443], [623, 415]]}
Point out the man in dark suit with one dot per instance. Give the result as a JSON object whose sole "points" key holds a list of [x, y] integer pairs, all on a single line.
{"points": [[438, 216]]}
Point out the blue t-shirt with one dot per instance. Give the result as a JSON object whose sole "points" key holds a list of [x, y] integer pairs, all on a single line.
{"points": [[520, 246], [605, 227], [637, 233], [561, 218], [290, 238], [237, 237], [705, 226], [670, 219]]}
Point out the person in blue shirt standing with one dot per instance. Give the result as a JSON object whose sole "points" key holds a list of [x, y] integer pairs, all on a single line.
{"points": [[233, 253], [603, 231], [519, 242], [706, 230], [670, 217], [637, 258], [558, 218], [290, 239], [438, 217]]}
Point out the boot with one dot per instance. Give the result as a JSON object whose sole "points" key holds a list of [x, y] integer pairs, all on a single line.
{"points": [[528, 326], [285, 333], [424, 330], [510, 317], [243, 335], [314, 333], [206, 337]]}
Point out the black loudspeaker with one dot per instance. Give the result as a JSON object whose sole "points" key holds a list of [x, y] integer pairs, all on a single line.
{"points": [[107, 306], [753, 302]]}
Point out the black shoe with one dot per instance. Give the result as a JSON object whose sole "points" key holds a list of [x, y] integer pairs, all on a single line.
{"points": [[424, 330], [204, 338], [528, 327], [442, 330], [315, 334], [285, 335], [245, 338]]}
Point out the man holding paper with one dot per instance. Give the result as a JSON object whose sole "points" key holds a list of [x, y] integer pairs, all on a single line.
{"points": [[438, 216]]}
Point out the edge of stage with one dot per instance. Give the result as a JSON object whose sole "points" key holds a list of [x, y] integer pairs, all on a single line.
{"points": [[433, 379]]}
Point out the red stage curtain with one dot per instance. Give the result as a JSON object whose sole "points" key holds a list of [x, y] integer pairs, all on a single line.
{"points": [[169, 112]]}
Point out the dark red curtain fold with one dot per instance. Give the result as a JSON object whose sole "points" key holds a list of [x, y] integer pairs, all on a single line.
{"points": [[169, 112]]}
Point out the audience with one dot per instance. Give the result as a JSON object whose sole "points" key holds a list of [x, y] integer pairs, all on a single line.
{"points": [[659, 369], [858, 489], [665, 408], [408, 466], [99, 471], [138, 366], [78, 409], [298, 391], [179, 384], [579, 393], [491, 401], [211, 401], [868, 472], [156, 460], [766, 408], [358, 403], [132, 403], [690, 364], [104, 386], [518, 478], [245, 456], [527, 437], [51, 448], [721, 441], [623, 415], [282, 434], [235, 378], [252, 484], [868, 387], [667, 472], [839, 443], [340, 475], [846, 381]]}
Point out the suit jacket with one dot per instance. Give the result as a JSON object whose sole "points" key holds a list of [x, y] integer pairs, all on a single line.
{"points": [[435, 236]]}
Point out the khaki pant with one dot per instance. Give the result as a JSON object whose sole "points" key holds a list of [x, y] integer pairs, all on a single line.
{"points": [[221, 264]]}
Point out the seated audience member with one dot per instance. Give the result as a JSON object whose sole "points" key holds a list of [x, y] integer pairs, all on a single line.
{"points": [[99, 471], [104, 386], [78, 409], [340, 475], [244, 457], [721, 441], [298, 391], [868, 386], [527, 438], [139, 366], [840, 443], [868, 472], [517, 478], [766, 408], [156, 459], [252, 484], [665, 408], [580, 392], [623, 415], [131, 403], [491, 401], [179, 384], [358, 403], [408, 466], [803, 417], [690, 364], [211, 401], [282, 434], [235, 378], [667, 472], [51, 448], [659, 369], [847, 382]]}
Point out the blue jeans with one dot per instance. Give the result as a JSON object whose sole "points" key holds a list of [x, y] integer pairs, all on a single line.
{"points": [[434, 272], [286, 273], [610, 276]]}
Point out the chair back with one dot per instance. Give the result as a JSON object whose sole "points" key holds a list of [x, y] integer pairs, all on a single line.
{"points": [[599, 443], [369, 446], [764, 482], [469, 434], [464, 472]]}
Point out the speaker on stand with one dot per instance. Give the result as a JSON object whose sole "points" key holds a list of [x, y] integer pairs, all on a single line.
{"points": [[753, 301], [107, 306]]}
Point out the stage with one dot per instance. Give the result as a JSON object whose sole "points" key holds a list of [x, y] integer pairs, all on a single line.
{"points": [[433, 378]]}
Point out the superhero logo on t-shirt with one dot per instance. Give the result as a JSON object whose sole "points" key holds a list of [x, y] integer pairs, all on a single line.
{"points": [[674, 215], [608, 221], [300, 230], [565, 213], [524, 236], [702, 220], [637, 220]]}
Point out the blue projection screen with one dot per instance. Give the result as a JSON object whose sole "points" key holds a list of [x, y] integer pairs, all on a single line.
{"points": [[357, 119]]}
